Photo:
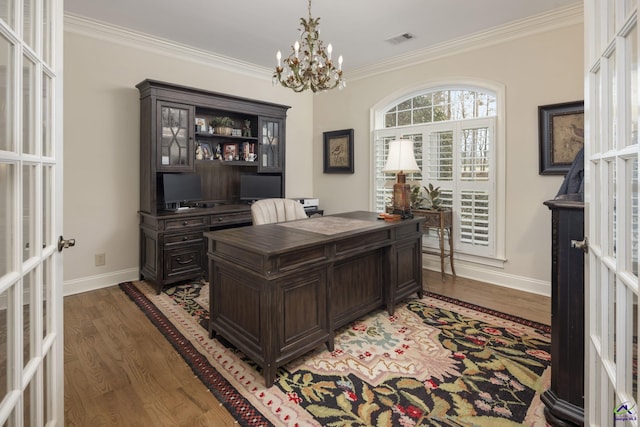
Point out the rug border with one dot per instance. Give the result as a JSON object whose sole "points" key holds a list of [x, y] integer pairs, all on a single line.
{"points": [[238, 406]]}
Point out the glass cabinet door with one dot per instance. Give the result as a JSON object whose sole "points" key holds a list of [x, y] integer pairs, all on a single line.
{"points": [[271, 145], [175, 138]]}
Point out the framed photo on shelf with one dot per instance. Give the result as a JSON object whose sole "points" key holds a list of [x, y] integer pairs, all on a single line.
{"points": [[561, 134], [206, 151], [230, 152], [201, 124], [338, 151]]}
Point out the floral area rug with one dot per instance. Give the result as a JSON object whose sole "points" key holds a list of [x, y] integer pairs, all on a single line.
{"points": [[436, 362]]}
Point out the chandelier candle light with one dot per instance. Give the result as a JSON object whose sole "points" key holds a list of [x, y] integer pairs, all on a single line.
{"points": [[401, 160], [309, 66]]}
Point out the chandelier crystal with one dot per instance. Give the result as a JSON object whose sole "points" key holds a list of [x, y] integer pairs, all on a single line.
{"points": [[309, 66]]}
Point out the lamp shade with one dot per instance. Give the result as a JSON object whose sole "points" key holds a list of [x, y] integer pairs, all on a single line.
{"points": [[401, 158]]}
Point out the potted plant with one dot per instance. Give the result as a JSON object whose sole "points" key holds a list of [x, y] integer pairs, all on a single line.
{"points": [[433, 197], [222, 125]]}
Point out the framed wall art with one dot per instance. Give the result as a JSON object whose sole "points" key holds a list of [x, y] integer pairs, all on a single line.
{"points": [[338, 151], [561, 134]]}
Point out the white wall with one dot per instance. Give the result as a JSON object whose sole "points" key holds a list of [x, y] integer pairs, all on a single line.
{"points": [[538, 69], [101, 140]]}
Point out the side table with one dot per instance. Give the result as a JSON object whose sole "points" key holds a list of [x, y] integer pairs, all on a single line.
{"points": [[443, 222]]}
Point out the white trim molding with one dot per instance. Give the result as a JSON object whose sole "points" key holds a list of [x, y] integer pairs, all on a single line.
{"points": [[99, 281], [484, 274], [558, 18], [108, 32]]}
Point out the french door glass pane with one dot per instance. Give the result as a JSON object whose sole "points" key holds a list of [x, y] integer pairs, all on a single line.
{"points": [[28, 211], [47, 206], [28, 106], [611, 210], [7, 8], [613, 101], [4, 342], [596, 108], [47, 108], [46, 31], [7, 220], [29, 22], [28, 325], [632, 384], [7, 142], [611, 318], [632, 65], [47, 299], [632, 214]]}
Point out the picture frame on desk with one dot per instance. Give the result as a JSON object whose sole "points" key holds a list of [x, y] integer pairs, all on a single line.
{"points": [[338, 151], [561, 135]]}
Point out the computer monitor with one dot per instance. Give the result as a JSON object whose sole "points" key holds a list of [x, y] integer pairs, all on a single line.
{"points": [[181, 188], [257, 187]]}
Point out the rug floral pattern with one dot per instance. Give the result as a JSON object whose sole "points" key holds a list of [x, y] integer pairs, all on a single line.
{"points": [[433, 363]]}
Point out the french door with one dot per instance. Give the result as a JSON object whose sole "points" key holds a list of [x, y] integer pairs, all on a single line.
{"points": [[611, 171], [31, 341]]}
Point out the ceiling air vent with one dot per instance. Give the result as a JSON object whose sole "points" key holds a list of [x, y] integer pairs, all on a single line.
{"points": [[401, 38]]}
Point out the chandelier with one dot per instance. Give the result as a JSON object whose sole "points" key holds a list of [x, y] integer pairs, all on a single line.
{"points": [[309, 66]]}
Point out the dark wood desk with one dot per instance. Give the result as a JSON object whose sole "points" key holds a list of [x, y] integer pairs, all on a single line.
{"points": [[279, 290]]}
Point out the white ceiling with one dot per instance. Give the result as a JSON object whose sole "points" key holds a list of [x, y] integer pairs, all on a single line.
{"points": [[253, 30]]}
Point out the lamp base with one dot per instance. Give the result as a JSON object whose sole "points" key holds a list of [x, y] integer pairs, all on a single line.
{"points": [[402, 197]]}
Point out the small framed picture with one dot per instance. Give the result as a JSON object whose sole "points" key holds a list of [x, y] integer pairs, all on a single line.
{"points": [[338, 151], [561, 133], [205, 149], [201, 124], [230, 152]]}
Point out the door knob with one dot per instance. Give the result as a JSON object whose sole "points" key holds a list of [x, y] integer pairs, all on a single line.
{"points": [[62, 244], [581, 244]]}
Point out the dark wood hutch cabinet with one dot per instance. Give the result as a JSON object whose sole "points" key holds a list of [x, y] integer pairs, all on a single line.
{"points": [[172, 247]]}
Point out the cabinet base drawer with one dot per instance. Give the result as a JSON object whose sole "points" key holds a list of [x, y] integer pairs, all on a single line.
{"points": [[183, 261]]}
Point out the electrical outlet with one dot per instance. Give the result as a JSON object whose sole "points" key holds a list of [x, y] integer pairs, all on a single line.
{"points": [[101, 259]]}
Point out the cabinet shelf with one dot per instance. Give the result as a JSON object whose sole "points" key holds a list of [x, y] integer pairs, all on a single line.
{"points": [[227, 162], [217, 136]]}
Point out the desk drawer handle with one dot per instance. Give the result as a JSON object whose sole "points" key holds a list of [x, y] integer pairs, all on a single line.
{"points": [[188, 261]]}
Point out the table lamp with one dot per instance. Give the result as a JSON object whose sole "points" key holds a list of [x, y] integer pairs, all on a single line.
{"points": [[400, 161]]}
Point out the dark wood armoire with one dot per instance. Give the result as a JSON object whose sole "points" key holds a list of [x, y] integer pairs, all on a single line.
{"points": [[564, 400]]}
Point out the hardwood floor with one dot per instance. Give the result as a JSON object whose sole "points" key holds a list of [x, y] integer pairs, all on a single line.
{"points": [[120, 370], [518, 303]]}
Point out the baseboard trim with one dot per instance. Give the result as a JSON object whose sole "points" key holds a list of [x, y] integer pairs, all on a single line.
{"points": [[476, 272], [99, 281]]}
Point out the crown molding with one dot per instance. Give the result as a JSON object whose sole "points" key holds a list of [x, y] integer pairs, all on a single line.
{"points": [[558, 18], [114, 34]]}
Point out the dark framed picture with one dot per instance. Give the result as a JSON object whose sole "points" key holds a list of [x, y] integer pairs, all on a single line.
{"points": [[561, 133], [338, 151], [230, 152]]}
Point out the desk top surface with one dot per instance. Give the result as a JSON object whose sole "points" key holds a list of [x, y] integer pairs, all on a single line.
{"points": [[278, 237]]}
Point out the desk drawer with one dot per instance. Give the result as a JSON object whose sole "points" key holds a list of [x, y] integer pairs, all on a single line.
{"points": [[183, 260], [221, 220], [180, 239], [175, 224]]}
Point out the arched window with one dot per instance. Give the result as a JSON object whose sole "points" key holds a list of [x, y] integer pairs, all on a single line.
{"points": [[454, 129]]}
